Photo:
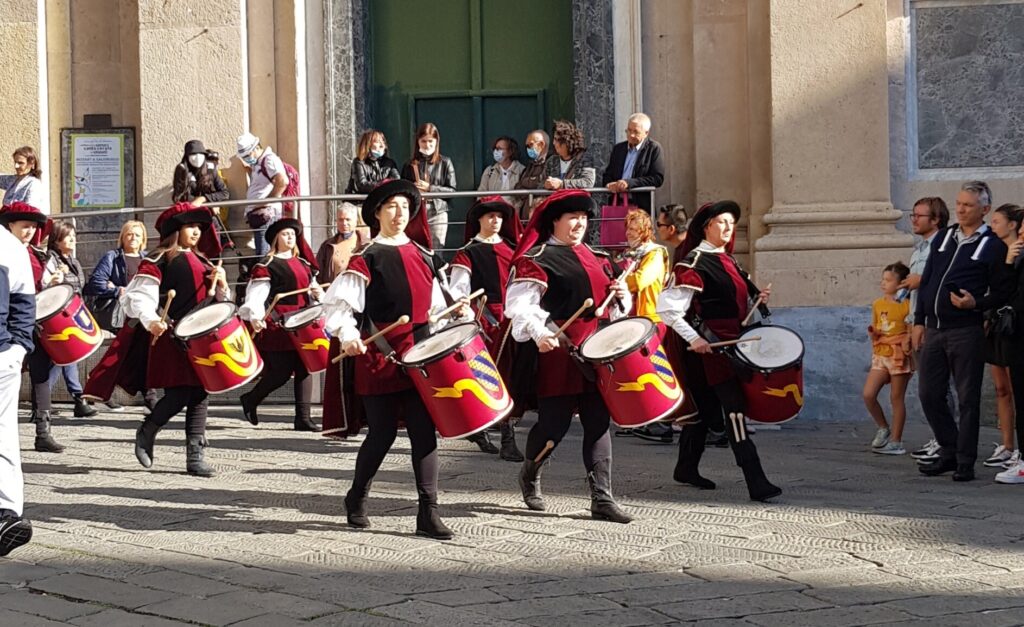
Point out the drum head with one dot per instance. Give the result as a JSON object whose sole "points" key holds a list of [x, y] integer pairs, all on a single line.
{"points": [[616, 339], [303, 317], [440, 344], [52, 299], [204, 320], [778, 347]]}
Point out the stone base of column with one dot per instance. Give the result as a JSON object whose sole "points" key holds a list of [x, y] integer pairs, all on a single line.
{"points": [[828, 254]]}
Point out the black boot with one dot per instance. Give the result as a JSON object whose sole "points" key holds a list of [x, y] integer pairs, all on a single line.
{"points": [[44, 440], [758, 486], [602, 503], [428, 521], [355, 509], [509, 451], [145, 440], [529, 483], [303, 420], [691, 449], [480, 439], [83, 409], [249, 409], [195, 465]]}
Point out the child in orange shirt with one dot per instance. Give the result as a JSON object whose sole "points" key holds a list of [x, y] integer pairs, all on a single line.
{"points": [[890, 361]]}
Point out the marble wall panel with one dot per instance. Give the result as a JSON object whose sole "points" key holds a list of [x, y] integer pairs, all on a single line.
{"points": [[594, 78]]}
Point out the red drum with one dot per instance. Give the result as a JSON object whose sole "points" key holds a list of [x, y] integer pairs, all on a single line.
{"points": [[633, 374], [305, 327], [775, 394], [66, 329], [458, 381], [219, 347]]}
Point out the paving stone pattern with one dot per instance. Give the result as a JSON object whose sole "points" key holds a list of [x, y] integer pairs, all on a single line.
{"points": [[857, 538]]}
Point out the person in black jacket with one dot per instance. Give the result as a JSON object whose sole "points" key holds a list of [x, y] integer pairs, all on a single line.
{"points": [[1013, 278], [635, 162], [432, 172], [196, 179], [958, 285], [372, 163]]}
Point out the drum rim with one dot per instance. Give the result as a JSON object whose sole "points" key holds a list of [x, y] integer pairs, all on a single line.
{"points": [[603, 360], [426, 361], [799, 360], [291, 314], [232, 316], [71, 295]]}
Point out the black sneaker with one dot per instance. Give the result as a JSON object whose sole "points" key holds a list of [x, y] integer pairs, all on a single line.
{"points": [[656, 432], [718, 439], [15, 531]]}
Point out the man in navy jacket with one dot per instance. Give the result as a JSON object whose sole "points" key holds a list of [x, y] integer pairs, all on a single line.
{"points": [[956, 288], [635, 162]]}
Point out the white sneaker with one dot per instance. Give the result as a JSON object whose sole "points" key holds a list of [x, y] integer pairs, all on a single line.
{"points": [[1013, 461], [891, 448], [881, 438], [1000, 455], [1012, 475], [928, 450]]}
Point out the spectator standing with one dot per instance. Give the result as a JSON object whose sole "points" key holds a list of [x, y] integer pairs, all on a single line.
{"points": [[1013, 272], [636, 162], [671, 227], [432, 172], [504, 174], [535, 171], [1004, 222], [196, 179], [928, 215], [267, 179], [955, 290], [61, 261], [17, 320], [335, 253], [891, 361], [26, 184], [570, 170], [372, 164]]}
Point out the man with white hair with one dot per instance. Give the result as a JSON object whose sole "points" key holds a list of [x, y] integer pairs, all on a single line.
{"points": [[635, 162], [335, 253]]}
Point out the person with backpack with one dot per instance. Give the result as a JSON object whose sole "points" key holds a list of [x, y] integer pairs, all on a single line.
{"points": [[269, 177]]}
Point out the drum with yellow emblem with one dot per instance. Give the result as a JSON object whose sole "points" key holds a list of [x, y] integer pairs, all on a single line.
{"points": [[633, 374], [458, 381], [66, 328], [219, 347]]}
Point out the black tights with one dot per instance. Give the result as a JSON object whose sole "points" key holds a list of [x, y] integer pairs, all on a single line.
{"points": [[39, 365], [383, 412], [278, 367], [191, 397], [1017, 384], [729, 397], [554, 415]]}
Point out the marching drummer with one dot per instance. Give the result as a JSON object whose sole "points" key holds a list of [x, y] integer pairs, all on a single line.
{"points": [[492, 232], [175, 265], [26, 222], [283, 270], [553, 274], [710, 290], [394, 276]]}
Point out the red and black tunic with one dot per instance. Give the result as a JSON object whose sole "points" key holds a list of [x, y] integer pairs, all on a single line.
{"points": [[489, 266], [37, 257], [285, 275]]}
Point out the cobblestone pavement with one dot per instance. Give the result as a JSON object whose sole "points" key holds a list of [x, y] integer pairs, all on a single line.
{"points": [[856, 539]]}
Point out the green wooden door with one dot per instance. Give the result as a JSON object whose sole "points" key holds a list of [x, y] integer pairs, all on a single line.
{"points": [[478, 69]]}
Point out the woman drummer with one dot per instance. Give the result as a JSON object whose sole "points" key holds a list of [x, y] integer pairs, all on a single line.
{"points": [[483, 263], [710, 290], [283, 270], [26, 222], [175, 265], [553, 273], [392, 277]]}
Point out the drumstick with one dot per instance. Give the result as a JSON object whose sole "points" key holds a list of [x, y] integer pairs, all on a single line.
{"points": [[599, 312], [278, 297], [587, 304], [738, 340], [757, 303], [544, 451], [447, 310], [375, 336], [213, 275], [480, 308], [163, 315]]}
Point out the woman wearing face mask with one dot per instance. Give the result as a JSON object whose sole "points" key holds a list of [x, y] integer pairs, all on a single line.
{"points": [[431, 172], [283, 270], [504, 174], [196, 180], [372, 163], [26, 184]]}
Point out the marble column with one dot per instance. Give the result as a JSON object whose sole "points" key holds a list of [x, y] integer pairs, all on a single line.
{"points": [[831, 226], [594, 77], [346, 24]]}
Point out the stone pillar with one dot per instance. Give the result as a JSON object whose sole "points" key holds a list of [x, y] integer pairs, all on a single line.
{"points": [[594, 77], [831, 226], [628, 37]]}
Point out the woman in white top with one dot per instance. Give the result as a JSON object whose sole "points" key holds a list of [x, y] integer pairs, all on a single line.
{"points": [[504, 174], [26, 183]]}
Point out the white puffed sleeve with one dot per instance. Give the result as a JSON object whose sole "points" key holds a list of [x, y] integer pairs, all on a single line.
{"points": [[141, 299], [460, 282], [673, 303], [522, 307], [256, 295], [345, 297]]}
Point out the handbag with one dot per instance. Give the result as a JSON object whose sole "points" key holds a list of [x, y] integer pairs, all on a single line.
{"points": [[613, 221], [1005, 322], [107, 311], [258, 217]]}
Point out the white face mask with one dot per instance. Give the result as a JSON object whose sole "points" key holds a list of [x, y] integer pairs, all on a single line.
{"points": [[197, 160], [427, 152]]}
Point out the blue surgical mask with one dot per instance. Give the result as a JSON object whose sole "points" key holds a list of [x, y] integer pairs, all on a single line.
{"points": [[531, 153], [376, 154], [249, 160], [499, 156]]}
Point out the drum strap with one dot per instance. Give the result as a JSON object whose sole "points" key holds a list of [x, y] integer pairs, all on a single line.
{"points": [[382, 344]]}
